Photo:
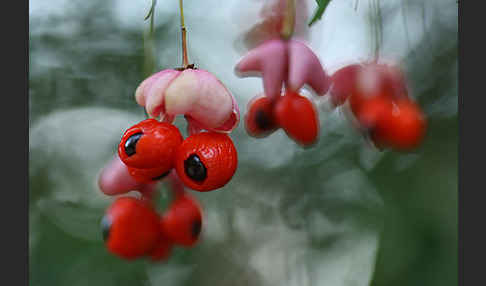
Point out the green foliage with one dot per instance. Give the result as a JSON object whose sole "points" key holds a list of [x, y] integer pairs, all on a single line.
{"points": [[321, 7]]}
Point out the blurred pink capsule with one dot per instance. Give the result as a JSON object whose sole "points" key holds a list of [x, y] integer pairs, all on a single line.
{"points": [[305, 68], [269, 60], [114, 179], [197, 94], [280, 61], [271, 21]]}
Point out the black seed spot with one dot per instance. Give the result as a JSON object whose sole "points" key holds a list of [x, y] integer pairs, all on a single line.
{"points": [[131, 143], [195, 169], [105, 227], [262, 120], [196, 228], [161, 176]]}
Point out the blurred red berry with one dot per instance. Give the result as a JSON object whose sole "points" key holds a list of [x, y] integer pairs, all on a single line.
{"points": [[259, 118], [182, 222], [402, 127], [377, 80], [206, 161], [162, 249], [150, 144], [130, 228], [373, 110], [297, 115]]}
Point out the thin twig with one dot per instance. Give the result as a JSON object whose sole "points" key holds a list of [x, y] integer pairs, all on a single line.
{"points": [[289, 20], [376, 23], [405, 23], [185, 60], [149, 41]]}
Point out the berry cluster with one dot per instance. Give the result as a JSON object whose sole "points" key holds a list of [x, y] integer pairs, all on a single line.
{"points": [[378, 99], [132, 228], [204, 161], [291, 64], [377, 93], [207, 159], [294, 113], [152, 150]]}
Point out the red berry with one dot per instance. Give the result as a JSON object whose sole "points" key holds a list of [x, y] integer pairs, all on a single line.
{"points": [[206, 161], [162, 249], [402, 127], [150, 144], [377, 80], [297, 115], [182, 222], [373, 110], [146, 176], [259, 119], [343, 81], [130, 228]]}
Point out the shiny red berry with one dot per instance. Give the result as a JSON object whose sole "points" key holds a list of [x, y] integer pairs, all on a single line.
{"points": [[298, 116], [259, 118], [402, 127], [182, 223], [206, 161], [148, 175], [150, 144], [130, 228]]}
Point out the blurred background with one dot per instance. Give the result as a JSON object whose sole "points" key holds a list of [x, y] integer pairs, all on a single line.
{"points": [[339, 213]]}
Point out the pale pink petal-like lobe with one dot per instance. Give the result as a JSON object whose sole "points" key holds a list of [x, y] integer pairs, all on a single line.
{"points": [[114, 179], [141, 92], [270, 59], [192, 92], [200, 95], [193, 127], [305, 68], [155, 93], [232, 122]]}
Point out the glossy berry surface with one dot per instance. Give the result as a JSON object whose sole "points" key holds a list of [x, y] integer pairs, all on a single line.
{"points": [[259, 118], [148, 175], [401, 127], [150, 144], [182, 222], [297, 115], [130, 228], [206, 161]]}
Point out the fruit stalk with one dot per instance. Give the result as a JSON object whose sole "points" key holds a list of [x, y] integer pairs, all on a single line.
{"points": [[185, 60], [289, 21]]}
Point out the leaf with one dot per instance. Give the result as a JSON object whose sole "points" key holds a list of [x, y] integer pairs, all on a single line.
{"points": [[151, 11], [321, 7]]}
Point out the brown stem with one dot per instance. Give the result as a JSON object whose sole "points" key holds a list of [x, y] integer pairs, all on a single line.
{"points": [[185, 60], [289, 20]]}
